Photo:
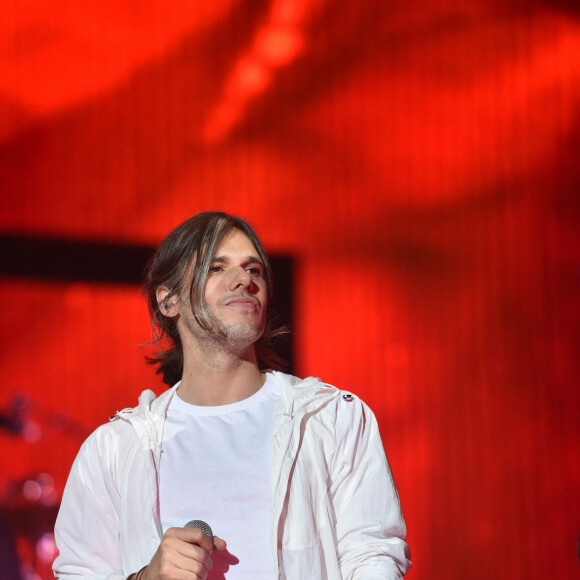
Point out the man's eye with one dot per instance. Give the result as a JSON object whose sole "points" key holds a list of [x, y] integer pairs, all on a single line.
{"points": [[254, 271], [215, 269]]}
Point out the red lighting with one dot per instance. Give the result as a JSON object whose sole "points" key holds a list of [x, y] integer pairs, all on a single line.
{"points": [[278, 46]]}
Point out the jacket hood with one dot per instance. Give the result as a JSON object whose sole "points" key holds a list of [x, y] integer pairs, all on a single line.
{"points": [[303, 394]]}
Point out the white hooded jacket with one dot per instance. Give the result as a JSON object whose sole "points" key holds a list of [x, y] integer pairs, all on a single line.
{"points": [[335, 513]]}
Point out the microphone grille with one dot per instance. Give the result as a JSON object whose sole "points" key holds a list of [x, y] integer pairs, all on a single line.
{"points": [[201, 525]]}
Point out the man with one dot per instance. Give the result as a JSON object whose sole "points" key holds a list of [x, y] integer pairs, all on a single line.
{"points": [[290, 472]]}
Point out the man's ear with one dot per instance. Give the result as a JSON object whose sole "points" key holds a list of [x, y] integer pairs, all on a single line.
{"points": [[167, 302]]}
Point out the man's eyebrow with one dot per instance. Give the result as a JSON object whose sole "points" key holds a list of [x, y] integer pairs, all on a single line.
{"points": [[247, 260]]}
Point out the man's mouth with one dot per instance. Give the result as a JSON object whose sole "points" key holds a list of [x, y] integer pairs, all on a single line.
{"points": [[243, 301]]}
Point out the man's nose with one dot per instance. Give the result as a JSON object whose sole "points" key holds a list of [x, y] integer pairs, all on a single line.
{"points": [[241, 278]]}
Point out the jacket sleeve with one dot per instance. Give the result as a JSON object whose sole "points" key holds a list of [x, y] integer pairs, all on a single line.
{"points": [[370, 530], [87, 526]]}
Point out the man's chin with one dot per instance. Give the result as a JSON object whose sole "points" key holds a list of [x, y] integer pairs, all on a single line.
{"points": [[241, 334]]}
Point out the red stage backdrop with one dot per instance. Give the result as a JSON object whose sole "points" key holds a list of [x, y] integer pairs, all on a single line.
{"points": [[419, 162]]}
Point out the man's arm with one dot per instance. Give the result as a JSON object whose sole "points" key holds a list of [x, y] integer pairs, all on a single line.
{"points": [[87, 527], [370, 529]]}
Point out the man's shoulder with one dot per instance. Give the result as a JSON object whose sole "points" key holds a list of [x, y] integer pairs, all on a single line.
{"points": [[314, 392], [309, 387]]}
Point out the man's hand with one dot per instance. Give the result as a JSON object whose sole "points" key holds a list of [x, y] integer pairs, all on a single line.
{"points": [[184, 553]]}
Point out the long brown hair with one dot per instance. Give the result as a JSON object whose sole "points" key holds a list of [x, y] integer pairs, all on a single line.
{"points": [[192, 245]]}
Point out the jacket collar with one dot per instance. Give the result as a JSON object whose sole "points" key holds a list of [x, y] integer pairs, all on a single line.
{"points": [[298, 396]]}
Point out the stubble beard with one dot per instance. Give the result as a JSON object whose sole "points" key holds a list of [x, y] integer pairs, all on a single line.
{"points": [[238, 338], [235, 337]]}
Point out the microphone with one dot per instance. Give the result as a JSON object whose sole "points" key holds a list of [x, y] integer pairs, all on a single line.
{"points": [[201, 525]]}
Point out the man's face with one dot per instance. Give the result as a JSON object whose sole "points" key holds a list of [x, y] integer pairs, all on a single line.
{"points": [[235, 292]]}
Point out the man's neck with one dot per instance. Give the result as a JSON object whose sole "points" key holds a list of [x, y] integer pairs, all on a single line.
{"points": [[219, 379]]}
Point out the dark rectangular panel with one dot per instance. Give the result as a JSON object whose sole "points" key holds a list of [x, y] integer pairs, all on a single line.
{"points": [[77, 260]]}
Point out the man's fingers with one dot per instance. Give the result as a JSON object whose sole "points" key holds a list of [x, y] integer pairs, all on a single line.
{"points": [[181, 550], [191, 536], [187, 551], [196, 561]]}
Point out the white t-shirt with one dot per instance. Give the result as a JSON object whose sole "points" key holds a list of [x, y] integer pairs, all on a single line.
{"points": [[215, 466]]}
